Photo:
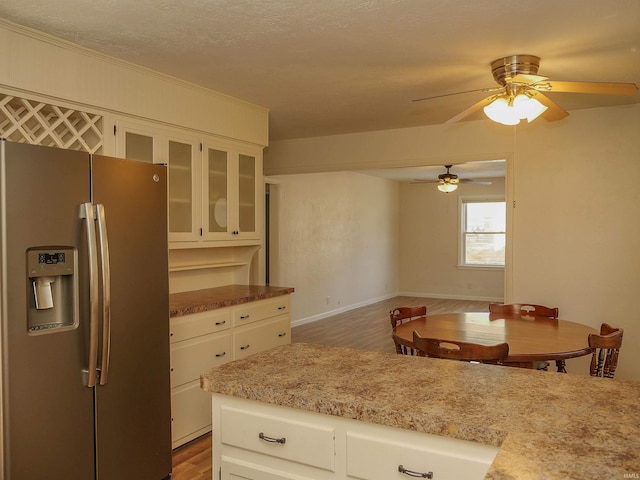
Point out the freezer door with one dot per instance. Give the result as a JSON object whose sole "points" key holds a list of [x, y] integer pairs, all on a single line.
{"points": [[133, 406], [46, 410]]}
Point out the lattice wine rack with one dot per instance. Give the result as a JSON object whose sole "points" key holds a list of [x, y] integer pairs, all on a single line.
{"points": [[38, 123]]}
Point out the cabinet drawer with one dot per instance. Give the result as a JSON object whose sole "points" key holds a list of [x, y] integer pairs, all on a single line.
{"points": [[190, 358], [256, 338], [254, 311], [189, 326], [305, 443], [234, 469], [190, 410], [379, 456]]}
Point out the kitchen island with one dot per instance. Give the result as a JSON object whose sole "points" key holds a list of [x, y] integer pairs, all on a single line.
{"points": [[546, 425]]}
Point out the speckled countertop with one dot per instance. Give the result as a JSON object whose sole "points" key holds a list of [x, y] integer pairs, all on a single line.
{"points": [[196, 301], [548, 425]]}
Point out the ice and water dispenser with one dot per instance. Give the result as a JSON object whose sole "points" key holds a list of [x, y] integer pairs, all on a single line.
{"points": [[53, 289]]}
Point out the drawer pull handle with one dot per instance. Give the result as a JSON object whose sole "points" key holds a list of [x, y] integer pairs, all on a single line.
{"points": [[221, 323], [262, 436], [244, 347], [283, 334], [244, 317], [282, 308], [411, 473], [221, 354]]}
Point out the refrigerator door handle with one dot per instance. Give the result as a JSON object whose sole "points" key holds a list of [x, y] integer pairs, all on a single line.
{"points": [[103, 240], [87, 214]]}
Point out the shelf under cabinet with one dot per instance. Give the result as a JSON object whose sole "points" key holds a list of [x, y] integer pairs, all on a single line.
{"points": [[185, 268]]}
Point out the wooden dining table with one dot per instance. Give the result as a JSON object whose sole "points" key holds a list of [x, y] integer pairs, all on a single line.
{"points": [[531, 339]]}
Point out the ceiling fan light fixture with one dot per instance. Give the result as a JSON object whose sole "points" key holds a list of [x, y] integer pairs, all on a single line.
{"points": [[500, 111], [447, 187], [509, 111], [532, 109]]}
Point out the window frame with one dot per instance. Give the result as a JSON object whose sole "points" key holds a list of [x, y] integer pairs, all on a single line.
{"points": [[462, 201]]}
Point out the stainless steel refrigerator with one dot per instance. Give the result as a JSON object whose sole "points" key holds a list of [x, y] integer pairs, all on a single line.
{"points": [[85, 323]]}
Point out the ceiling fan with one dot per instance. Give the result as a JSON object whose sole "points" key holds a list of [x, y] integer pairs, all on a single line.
{"points": [[521, 92], [448, 182]]}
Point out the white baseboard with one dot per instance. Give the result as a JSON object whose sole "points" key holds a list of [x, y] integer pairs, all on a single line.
{"points": [[451, 297], [330, 313]]}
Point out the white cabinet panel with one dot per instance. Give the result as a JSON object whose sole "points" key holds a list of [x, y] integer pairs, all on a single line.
{"points": [[256, 311], [190, 326], [192, 357], [261, 336], [234, 469], [306, 443], [384, 454], [190, 413]]}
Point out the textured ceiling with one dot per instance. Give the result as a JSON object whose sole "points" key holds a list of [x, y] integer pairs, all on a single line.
{"points": [[339, 66]]}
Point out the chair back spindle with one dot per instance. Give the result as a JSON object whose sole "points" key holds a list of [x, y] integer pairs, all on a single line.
{"points": [[405, 314], [606, 345]]}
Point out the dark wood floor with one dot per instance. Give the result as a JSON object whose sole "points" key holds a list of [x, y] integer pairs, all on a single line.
{"points": [[365, 328]]}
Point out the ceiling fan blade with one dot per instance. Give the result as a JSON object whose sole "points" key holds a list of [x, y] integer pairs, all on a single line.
{"points": [[418, 180], [476, 106], [603, 88], [554, 111], [491, 89], [475, 182], [528, 79]]}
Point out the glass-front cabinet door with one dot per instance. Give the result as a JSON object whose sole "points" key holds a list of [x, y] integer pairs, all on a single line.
{"points": [[246, 194], [136, 141], [183, 193], [217, 193]]}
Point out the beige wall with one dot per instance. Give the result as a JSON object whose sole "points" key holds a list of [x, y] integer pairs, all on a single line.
{"points": [[575, 228], [429, 225], [338, 241]]}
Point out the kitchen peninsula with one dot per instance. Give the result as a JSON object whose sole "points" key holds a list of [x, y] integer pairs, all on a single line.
{"points": [[211, 327], [545, 425]]}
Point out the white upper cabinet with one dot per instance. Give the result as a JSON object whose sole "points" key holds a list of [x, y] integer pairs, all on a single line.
{"points": [[214, 187], [231, 185]]}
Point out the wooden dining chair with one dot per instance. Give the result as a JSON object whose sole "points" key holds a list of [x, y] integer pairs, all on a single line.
{"points": [[604, 358], [404, 314], [456, 350], [533, 310], [524, 309]]}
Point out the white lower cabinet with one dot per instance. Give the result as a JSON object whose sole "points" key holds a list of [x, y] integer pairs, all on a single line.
{"points": [[204, 340], [254, 440]]}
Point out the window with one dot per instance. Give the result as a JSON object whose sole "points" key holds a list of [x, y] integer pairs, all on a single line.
{"points": [[482, 232]]}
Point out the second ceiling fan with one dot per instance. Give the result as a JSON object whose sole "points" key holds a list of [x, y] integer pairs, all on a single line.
{"points": [[448, 182], [521, 92]]}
